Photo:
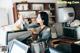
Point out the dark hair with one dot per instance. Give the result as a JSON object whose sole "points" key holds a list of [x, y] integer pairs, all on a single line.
{"points": [[44, 16]]}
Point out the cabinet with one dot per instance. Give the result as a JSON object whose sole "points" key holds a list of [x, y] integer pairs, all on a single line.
{"points": [[29, 10]]}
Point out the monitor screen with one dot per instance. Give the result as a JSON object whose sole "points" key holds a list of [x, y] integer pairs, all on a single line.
{"points": [[18, 47], [70, 32]]}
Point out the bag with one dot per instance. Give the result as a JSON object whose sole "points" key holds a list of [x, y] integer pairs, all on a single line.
{"points": [[37, 47]]}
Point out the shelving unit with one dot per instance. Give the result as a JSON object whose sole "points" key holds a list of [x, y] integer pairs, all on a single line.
{"points": [[26, 7]]}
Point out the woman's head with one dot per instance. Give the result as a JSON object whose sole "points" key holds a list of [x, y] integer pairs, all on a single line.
{"points": [[43, 18]]}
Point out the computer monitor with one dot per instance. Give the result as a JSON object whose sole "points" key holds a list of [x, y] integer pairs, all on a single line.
{"points": [[19, 35], [18, 47]]}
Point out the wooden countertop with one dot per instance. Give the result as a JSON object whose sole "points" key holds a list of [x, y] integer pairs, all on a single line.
{"points": [[62, 41]]}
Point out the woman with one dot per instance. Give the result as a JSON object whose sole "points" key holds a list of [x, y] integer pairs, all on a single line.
{"points": [[45, 32]]}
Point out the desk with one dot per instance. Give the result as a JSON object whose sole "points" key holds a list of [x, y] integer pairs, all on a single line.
{"points": [[67, 46]]}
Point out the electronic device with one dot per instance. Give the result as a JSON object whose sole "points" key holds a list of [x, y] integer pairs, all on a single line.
{"points": [[6, 36], [71, 32], [20, 35], [18, 47], [65, 14]]}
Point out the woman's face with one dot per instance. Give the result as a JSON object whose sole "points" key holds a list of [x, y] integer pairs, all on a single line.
{"points": [[39, 20]]}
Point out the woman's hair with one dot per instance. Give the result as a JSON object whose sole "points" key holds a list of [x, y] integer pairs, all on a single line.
{"points": [[44, 16]]}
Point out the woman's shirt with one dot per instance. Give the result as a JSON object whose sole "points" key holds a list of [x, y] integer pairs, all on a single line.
{"points": [[45, 34]]}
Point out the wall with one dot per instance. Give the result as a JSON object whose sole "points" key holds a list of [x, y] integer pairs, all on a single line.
{"points": [[3, 17], [7, 5]]}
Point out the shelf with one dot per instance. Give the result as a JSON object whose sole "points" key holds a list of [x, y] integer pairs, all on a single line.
{"points": [[33, 3], [34, 10], [25, 10], [52, 9], [52, 16], [37, 7]]}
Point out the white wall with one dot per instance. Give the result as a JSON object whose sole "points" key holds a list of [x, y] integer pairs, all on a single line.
{"points": [[3, 17], [7, 5]]}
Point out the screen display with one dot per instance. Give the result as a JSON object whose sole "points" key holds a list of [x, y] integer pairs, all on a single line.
{"points": [[17, 49]]}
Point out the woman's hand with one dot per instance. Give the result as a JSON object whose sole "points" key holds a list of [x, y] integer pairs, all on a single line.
{"points": [[33, 30], [34, 33]]}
